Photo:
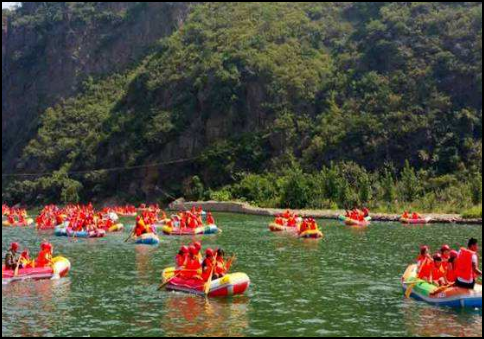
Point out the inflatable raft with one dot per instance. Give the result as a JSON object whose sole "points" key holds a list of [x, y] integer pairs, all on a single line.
{"points": [[61, 231], [228, 286], [454, 297], [147, 239], [60, 268], [422, 221], [355, 223], [204, 230], [116, 228], [279, 228], [27, 223], [311, 234]]}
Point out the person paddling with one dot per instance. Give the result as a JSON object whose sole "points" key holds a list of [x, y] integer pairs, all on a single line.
{"points": [[208, 265], [424, 264], [468, 266], [11, 258]]}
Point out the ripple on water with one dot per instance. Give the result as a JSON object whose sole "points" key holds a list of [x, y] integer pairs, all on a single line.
{"points": [[346, 285]]}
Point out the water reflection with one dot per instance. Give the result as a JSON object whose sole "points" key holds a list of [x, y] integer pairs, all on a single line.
{"points": [[195, 316], [429, 321], [43, 296]]}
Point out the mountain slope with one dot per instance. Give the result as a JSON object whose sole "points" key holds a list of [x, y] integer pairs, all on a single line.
{"points": [[263, 87]]}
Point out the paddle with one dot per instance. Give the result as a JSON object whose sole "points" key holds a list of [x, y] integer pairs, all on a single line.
{"points": [[230, 262], [130, 235], [442, 289], [206, 288]]}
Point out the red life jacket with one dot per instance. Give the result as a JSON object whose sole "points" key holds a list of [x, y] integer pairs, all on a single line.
{"points": [[193, 268], [438, 273], [465, 269], [426, 268], [44, 259], [451, 276], [180, 260]]}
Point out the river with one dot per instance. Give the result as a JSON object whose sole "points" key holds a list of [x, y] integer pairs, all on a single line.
{"points": [[345, 285]]}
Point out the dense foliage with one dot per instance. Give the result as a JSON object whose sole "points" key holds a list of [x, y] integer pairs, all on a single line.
{"points": [[308, 104]]}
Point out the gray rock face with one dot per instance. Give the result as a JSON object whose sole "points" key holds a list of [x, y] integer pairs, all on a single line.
{"points": [[44, 63]]}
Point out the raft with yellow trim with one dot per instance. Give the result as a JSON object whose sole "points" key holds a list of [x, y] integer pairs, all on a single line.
{"points": [[204, 230], [60, 268], [116, 228], [311, 234], [454, 297], [273, 227], [355, 223], [27, 223], [231, 285]]}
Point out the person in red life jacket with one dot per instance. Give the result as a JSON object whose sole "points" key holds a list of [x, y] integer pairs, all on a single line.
{"points": [[182, 257], [210, 219], [11, 219], [192, 223], [438, 271], [208, 265], [140, 227], [198, 247], [451, 267], [366, 212], [200, 210], [291, 222], [193, 266], [221, 268], [304, 227], [468, 266], [445, 253], [425, 264], [406, 215], [415, 216], [44, 258]]}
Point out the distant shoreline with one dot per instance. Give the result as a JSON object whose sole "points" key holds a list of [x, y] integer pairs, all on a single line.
{"points": [[247, 209]]}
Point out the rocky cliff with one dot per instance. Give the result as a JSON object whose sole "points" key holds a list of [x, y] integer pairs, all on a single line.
{"points": [[49, 49]]}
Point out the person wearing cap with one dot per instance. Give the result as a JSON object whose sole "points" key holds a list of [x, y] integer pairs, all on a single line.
{"points": [[425, 264], [210, 219], [208, 266], [44, 258], [451, 267], [11, 259], [193, 266], [468, 266], [445, 253], [438, 272], [198, 247], [182, 257]]}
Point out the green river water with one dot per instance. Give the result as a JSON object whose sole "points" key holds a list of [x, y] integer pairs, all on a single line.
{"points": [[345, 285]]}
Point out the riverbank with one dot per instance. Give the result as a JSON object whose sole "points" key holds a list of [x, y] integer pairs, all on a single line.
{"points": [[245, 208]]}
